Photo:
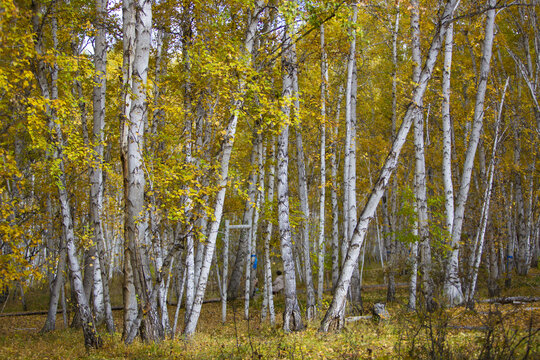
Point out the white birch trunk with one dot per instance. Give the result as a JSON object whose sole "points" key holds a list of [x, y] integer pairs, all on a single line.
{"points": [[322, 194], [91, 337], [480, 235], [181, 281], [522, 259], [147, 318], [190, 275], [128, 32], [228, 143], [239, 263], [225, 273], [335, 316], [348, 138], [247, 264], [334, 195], [447, 131], [96, 172], [292, 320], [304, 205], [420, 170], [268, 296], [452, 284]]}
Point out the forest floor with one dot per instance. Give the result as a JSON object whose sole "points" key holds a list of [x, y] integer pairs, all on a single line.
{"points": [[491, 331]]}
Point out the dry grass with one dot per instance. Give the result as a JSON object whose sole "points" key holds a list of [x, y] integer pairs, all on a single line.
{"points": [[496, 329]]}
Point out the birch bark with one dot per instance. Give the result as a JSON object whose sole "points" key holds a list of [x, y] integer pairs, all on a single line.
{"points": [[128, 32], [447, 131], [292, 320], [452, 283], [269, 297], [322, 194], [147, 318], [334, 195], [50, 91], [479, 241], [420, 169], [304, 206], [101, 301], [335, 316], [227, 147]]}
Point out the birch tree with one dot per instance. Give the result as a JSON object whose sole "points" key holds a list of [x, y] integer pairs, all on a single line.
{"points": [[128, 45], [292, 319], [102, 303], [147, 317], [452, 284], [335, 316], [50, 92], [304, 201], [420, 169], [476, 255], [322, 194], [227, 147], [268, 301]]}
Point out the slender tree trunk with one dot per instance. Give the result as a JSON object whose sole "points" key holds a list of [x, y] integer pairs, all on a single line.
{"points": [[334, 195], [269, 297], [227, 147], [190, 275], [334, 318], [522, 254], [447, 131], [128, 31], [322, 194], [58, 282], [91, 338], [452, 285], [238, 267], [304, 205], [225, 273], [147, 318], [420, 170], [180, 282], [479, 241], [348, 138], [101, 309], [292, 319]]}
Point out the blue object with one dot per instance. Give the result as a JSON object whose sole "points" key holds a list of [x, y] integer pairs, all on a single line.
{"points": [[254, 256]]}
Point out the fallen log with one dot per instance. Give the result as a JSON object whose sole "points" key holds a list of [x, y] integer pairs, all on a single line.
{"points": [[510, 300], [115, 308], [44, 312]]}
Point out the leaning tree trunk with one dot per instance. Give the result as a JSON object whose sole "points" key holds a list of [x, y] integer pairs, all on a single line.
{"points": [[292, 319], [91, 337], [452, 283], [479, 241], [335, 316], [227, 147]]}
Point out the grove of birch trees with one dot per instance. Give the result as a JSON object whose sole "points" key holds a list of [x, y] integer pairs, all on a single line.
{"points": [[188, 150]]}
